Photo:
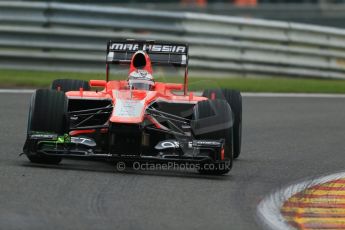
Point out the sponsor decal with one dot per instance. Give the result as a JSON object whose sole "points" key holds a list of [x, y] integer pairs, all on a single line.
{"points": [[84, 141], [200, 143], [51, 138], [173, 144], [153, 48], [168, 144], [127, 107], [44, 136]]}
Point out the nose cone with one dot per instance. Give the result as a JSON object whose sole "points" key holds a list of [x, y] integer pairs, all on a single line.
{"points": [[141, 60], [130, 107]]}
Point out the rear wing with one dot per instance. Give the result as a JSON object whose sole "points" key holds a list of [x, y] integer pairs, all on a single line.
{"points": [[161, 53]]}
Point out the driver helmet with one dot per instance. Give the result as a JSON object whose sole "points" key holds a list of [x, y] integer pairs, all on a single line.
{"points": [[140, 79]]}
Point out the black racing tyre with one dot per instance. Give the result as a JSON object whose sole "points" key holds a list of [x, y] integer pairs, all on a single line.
{"points": [[234, 98], [47, 113], [212, 120], [66, 85]]}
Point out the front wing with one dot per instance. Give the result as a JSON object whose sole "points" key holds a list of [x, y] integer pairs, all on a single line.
{"points": [[178, 151]]}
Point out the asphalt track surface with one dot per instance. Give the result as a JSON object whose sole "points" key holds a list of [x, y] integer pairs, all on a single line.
{"points": [[284, 140]]}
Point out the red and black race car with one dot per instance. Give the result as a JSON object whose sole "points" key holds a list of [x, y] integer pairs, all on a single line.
{"points": [[137, 119]]}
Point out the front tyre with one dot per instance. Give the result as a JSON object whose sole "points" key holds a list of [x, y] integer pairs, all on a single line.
{"points": [[212, 119], [47, 114], [234, 98]]}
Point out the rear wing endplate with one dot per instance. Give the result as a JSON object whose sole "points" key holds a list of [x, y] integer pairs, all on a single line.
{"points": [[161, 53]]}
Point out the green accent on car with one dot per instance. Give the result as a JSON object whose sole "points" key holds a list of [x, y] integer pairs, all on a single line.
{"points": [[65, 139]]}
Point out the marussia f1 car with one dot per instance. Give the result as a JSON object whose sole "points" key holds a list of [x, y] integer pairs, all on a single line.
{"points": [[137, 119]]}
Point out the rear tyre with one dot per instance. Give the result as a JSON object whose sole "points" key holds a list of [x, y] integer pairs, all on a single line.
{"points": [[46, 114], [234, 98], [66, 85], [212, 120]]}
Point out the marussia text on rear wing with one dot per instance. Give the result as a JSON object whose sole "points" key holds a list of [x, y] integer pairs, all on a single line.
{"points": [[162, 53]]}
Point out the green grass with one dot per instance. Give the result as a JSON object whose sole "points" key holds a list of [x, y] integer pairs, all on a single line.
{"points": [[39, 79]]}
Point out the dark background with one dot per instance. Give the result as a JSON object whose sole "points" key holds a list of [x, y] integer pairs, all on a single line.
{"points": [[317, 12]]}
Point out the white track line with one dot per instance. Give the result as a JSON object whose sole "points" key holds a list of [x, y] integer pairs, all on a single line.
{"points": [[300, 95], [16, 91], [269, 208]]}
